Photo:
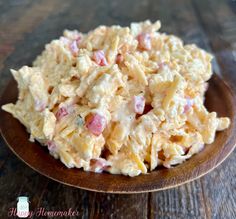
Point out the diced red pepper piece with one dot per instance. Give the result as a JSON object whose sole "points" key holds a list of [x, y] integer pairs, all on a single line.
{"points": [[144, 41], [74, 48], [98, 165], [78, 39], [188, 105], [99, 58], [51, 146], [95, 123], [62, 112], [139, 104]]}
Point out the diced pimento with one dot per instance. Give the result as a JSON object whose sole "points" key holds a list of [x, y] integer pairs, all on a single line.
{"points": [[98, 165], [78, 39], [99, 58], [144, 41], [189, 104], [139, 104], [95, 123], [61, 112], [39, 105], [51, 146], [119, 58], [74, 48]]}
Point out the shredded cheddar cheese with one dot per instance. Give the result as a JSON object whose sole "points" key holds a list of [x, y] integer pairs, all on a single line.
{"points": [[118, 99]]}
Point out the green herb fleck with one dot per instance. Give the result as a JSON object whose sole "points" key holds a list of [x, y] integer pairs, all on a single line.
{"points": [[79, 121]]}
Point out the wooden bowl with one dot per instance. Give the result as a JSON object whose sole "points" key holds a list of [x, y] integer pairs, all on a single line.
{"points": [[219, 98]]}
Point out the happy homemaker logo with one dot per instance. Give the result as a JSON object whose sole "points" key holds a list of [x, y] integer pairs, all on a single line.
{"points": [[22, 210]]}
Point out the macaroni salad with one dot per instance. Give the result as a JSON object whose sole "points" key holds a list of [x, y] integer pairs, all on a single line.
{"points": [[118, 99]]}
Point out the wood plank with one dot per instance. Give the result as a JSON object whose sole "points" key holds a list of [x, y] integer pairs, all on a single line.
{"points": [[42, 192], [22, 20], [16, 179], [232, 5], [182, 202], [219, 190], [4, 154], [118, 206], [13, 6], [14, 175], [58, 197], [219, 23]]}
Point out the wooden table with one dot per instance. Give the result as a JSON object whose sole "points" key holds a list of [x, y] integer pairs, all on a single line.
{"points": [[25, 26]]}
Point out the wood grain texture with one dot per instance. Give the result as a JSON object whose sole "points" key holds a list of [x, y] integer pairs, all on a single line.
{"points": [[211, 197], [30, 15], [220, 18], [118, 206]]}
